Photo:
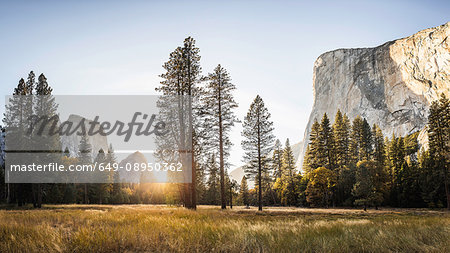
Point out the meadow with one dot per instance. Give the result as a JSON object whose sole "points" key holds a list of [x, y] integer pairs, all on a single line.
{"points": [[149, 228]]}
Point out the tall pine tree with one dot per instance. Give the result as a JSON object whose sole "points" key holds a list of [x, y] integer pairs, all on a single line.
{"points": [[44, 106], [311, 160], [19, 109], [180, 87], [341, 134], [212, 192], [361, 140], [326, 145], [243, 191], [257, 143], [85, 158], [219, 106], [277, 160], [439, 139]]}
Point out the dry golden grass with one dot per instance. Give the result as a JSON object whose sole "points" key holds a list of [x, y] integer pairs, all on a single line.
{"points": [[143, 228]]}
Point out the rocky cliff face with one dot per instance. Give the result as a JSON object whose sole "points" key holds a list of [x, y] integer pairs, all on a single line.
{"points": [[391, 85]]}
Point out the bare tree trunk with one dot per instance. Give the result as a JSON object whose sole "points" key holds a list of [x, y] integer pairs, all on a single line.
{"points": [[6, 187], [259, 168], [194, 184], [34, 194], [231, 197], [39, 196], [185, 192], [447, 192], [181, 191], [38, 189], [85, 194], [187, 195], [221, 159], [193, 204], [447, 187], [8, 196]]}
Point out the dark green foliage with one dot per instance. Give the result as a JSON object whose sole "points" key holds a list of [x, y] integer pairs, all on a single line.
{"points": [[369, 184], [243, 192], [70, 195], [361, 140], [213, 183], [379, 149], [439, 140], [399, 175], [341, 131], [99, 192], [311, 160], [431, 185], [346, 180], [326, 144], [85, 158]]}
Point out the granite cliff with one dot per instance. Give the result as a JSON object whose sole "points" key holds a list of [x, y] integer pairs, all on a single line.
{"points": [[391, 85]]}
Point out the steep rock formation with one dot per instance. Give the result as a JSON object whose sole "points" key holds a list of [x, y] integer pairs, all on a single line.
{"points": [[391, 85]]}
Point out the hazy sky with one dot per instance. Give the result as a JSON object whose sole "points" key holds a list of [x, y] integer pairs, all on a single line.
{"points": [[269, 48]]}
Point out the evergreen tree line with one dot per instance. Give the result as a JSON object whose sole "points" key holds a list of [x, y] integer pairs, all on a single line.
{"points": [[346, 163], [206, 120], [353, 164], [18, 119], [18, 113]]}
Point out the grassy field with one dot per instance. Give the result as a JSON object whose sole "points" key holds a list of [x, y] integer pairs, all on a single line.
{"points": [[78, 228]]}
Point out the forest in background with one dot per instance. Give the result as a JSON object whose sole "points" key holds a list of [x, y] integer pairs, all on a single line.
{"points": [[347, 163]]}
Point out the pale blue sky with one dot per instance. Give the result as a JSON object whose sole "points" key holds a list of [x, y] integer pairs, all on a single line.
{"points": [[269, 47]]}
